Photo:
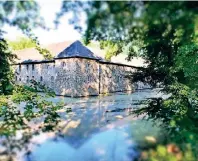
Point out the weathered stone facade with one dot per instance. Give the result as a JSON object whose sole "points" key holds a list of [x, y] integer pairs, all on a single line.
{"points": [[87, 77], [43, 72], [76, 76], [113, 78]]}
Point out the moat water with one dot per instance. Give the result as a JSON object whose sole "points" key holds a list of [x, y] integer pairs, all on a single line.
{"points": [[94, 129]]}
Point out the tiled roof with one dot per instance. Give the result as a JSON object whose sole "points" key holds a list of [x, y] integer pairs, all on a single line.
{"points": [[77, 49]]}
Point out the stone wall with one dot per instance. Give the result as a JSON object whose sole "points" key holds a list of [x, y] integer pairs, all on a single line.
{"points": [[87, 77], [43, 73], [47, 76], [113, 78], [65, 77], [77, 77]]}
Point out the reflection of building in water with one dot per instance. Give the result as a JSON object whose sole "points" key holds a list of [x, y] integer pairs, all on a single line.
{"points": [[88, 115], [82, 135], [76, 72], [113, 144], [88, 131]]}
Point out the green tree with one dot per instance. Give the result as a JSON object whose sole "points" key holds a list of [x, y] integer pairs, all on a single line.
{"points": [[21, 43], [110, 48], [5, 72]]}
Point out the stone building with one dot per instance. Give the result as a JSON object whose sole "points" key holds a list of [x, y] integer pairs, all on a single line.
{"points": [[76, 72]]}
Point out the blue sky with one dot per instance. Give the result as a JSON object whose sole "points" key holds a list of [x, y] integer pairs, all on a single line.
{"points": [[64, 32]]}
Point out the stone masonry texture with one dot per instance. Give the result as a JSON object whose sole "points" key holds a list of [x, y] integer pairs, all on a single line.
{"points": [[76, 77]]}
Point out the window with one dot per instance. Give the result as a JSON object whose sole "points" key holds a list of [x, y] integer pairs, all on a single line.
{"points": [[64, 64], [27, 79], [19, 79], [100, 70], [41, 78], [27, 67], [19, 68], [32, 66], [16, 78], [120, 78], [87, 65], [89, 79], [52, 78], [32, 77]]}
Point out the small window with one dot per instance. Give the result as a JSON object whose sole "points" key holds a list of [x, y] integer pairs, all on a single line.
{"points": [[64, 64], [120, 78], [32, 66], [19, 79], [41, 78], [87, 65], [27, 79], [100, 70], [89, 78], [32, 77], [27, 67], [19, 68], [15, 78]]}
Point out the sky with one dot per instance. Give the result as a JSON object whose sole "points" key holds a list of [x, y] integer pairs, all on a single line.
{"points": [[64, 32]]}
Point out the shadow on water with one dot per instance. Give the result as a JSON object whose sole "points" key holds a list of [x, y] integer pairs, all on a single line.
{"points": [[91, 129]]}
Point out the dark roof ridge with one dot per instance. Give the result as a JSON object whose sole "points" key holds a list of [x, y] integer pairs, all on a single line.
{"points": [[77, 49], [97, 60]]}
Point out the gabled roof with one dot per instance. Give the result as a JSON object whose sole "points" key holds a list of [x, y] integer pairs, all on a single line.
{"points": [[77, 49]]}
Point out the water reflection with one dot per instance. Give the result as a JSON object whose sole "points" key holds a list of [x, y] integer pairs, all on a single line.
{"points": [[90, 131], [114, 144], [94, 128]]}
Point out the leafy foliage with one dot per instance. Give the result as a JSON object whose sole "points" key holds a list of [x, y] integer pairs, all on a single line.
{"points": [[111, 49], [5, 73], [26, 14], [16, 119], [178, 115], [167, 153], [21, 43], [187, 62]]}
